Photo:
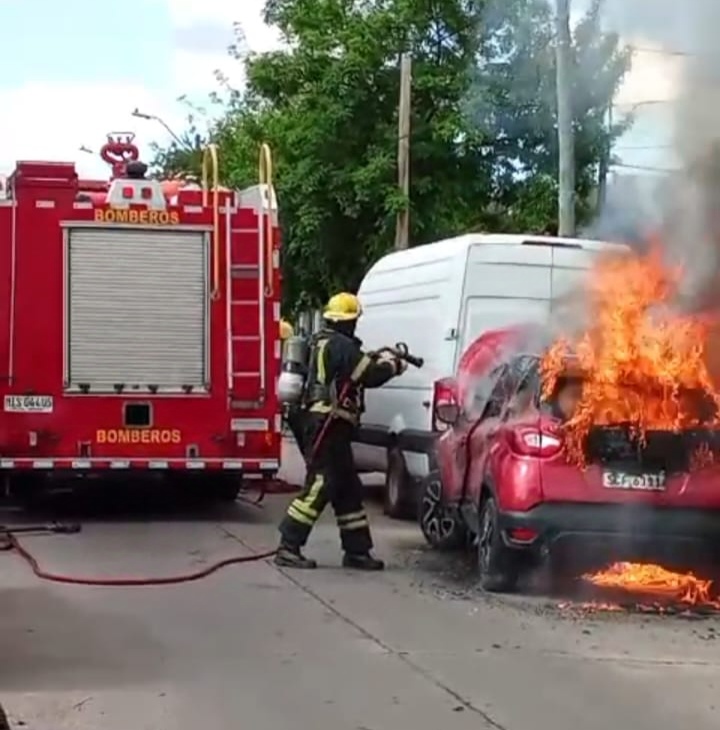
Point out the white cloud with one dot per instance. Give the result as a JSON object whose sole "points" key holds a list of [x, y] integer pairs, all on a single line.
{"points": [[52, 122], [260, 37], [194, 71]]}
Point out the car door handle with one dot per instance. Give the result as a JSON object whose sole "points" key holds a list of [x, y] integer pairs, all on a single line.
{"points": [[426, 403]]}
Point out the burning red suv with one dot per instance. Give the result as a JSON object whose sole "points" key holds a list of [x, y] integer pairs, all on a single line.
{"points": [[504, 481]]}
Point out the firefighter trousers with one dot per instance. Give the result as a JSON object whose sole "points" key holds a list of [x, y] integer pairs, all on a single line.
{"points": [[295, 419], [331, 477]]}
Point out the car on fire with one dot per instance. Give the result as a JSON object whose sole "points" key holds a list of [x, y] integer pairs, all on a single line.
{"points": [[504, 483]]}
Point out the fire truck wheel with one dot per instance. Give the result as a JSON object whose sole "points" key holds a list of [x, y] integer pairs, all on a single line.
{"points": [[28, 490], [227, 487], [399, 492]]}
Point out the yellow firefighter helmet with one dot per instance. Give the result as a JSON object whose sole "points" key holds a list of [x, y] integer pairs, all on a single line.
{"points": [[286, 329], [342, 307]]}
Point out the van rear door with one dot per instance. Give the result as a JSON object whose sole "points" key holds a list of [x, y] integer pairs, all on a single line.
{"points": [[570, 265], [506, 284]]}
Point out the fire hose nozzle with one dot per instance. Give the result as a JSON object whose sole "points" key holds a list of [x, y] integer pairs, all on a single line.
{"points": [[400, 352]]}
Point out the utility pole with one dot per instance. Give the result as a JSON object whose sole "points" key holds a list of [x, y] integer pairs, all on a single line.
{"points": [[566, 137], [402, 229], [605, 162]]}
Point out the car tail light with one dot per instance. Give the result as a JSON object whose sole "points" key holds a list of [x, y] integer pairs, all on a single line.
{"points": [[533, 442], [522, 534], [128, 192], [146, 193], [445, 409]]}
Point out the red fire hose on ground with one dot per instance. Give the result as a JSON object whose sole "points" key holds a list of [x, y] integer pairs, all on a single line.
{"points": [[11, 542]]}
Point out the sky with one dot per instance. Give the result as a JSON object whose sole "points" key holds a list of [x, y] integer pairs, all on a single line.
{"points": [[75, 70]]}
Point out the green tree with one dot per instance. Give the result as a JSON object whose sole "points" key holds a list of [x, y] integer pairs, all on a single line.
{"points": [[183, 155], [483, 147], [513, 99], [328, 107]]}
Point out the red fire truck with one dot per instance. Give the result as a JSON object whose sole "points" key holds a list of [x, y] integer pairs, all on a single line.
{"points": [[139, 323]]}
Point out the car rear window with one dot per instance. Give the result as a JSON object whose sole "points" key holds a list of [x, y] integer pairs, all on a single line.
{"points": [[693, 401]]}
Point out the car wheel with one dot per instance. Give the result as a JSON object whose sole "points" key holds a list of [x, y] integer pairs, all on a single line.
{"points": [[398, 487], [498, 567], [442, 529]]}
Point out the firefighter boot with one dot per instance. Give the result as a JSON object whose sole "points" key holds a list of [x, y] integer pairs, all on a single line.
{"points": [[362, 561], [289, 556]]}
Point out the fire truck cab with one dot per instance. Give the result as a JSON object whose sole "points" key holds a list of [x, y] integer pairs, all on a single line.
{"points": [[139, 323]]}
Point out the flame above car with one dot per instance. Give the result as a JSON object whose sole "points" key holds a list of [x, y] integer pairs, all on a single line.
{"points": [[643, 363]]}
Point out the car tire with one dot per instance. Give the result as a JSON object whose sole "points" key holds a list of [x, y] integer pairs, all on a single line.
{"points": [[441, 529], [498, 567], [398, 495]]}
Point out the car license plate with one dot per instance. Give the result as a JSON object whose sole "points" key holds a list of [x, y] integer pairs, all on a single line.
{"points": [[28, 404], [643, 482]]}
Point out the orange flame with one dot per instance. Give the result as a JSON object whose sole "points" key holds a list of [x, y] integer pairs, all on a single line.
{"points": [[657, 582], [642, 364]]}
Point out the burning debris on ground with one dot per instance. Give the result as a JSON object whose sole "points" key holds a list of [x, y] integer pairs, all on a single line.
{"points": [[648, 589]]}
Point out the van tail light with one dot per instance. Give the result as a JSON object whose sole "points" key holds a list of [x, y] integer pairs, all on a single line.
{"points": [[533, 442], [445, 409]]}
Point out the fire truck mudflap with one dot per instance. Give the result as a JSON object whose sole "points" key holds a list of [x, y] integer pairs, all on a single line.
{"points": [[139, 330]]}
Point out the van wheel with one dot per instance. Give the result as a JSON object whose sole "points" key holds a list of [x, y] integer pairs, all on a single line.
{"points": [[398, 487], [498, 566], [442, 528]]}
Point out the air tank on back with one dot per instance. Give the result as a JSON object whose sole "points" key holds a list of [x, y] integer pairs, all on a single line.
{"points": [[294, 370]]}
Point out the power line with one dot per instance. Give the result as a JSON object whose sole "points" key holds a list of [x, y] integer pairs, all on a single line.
{"points": [[643, 102], [646, 168], [644, 147], [662, 51]]}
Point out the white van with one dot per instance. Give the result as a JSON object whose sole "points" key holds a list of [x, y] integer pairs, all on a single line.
{"points": [[438, 298]]}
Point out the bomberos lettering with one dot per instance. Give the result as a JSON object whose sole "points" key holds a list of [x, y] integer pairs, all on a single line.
{"points": [[138, 436], [137, 217]]}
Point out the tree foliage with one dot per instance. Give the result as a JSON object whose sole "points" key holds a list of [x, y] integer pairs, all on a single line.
{"points": [[514, 101], [483, 139]]}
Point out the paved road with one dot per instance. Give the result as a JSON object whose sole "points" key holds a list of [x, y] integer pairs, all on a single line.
{"points": [[415, 648]]}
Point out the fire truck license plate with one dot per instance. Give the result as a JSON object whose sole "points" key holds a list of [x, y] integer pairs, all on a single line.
{"points": [[28, 404], [652, 482]]}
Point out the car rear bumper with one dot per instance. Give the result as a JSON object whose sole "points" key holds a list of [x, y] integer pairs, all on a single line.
{"points": [[616, 531]]}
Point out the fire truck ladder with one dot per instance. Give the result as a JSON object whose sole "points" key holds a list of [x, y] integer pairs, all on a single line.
{"points": [[265, 270], [210, 158]]}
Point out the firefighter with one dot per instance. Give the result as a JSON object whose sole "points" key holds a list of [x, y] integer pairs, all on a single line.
{"points": [[338, 372]]}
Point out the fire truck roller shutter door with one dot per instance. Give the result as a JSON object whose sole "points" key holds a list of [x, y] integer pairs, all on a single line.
{"points": [[137, 308]]}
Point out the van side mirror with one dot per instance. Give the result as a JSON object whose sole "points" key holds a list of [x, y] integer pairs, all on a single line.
{"points": [[446, 410]]}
